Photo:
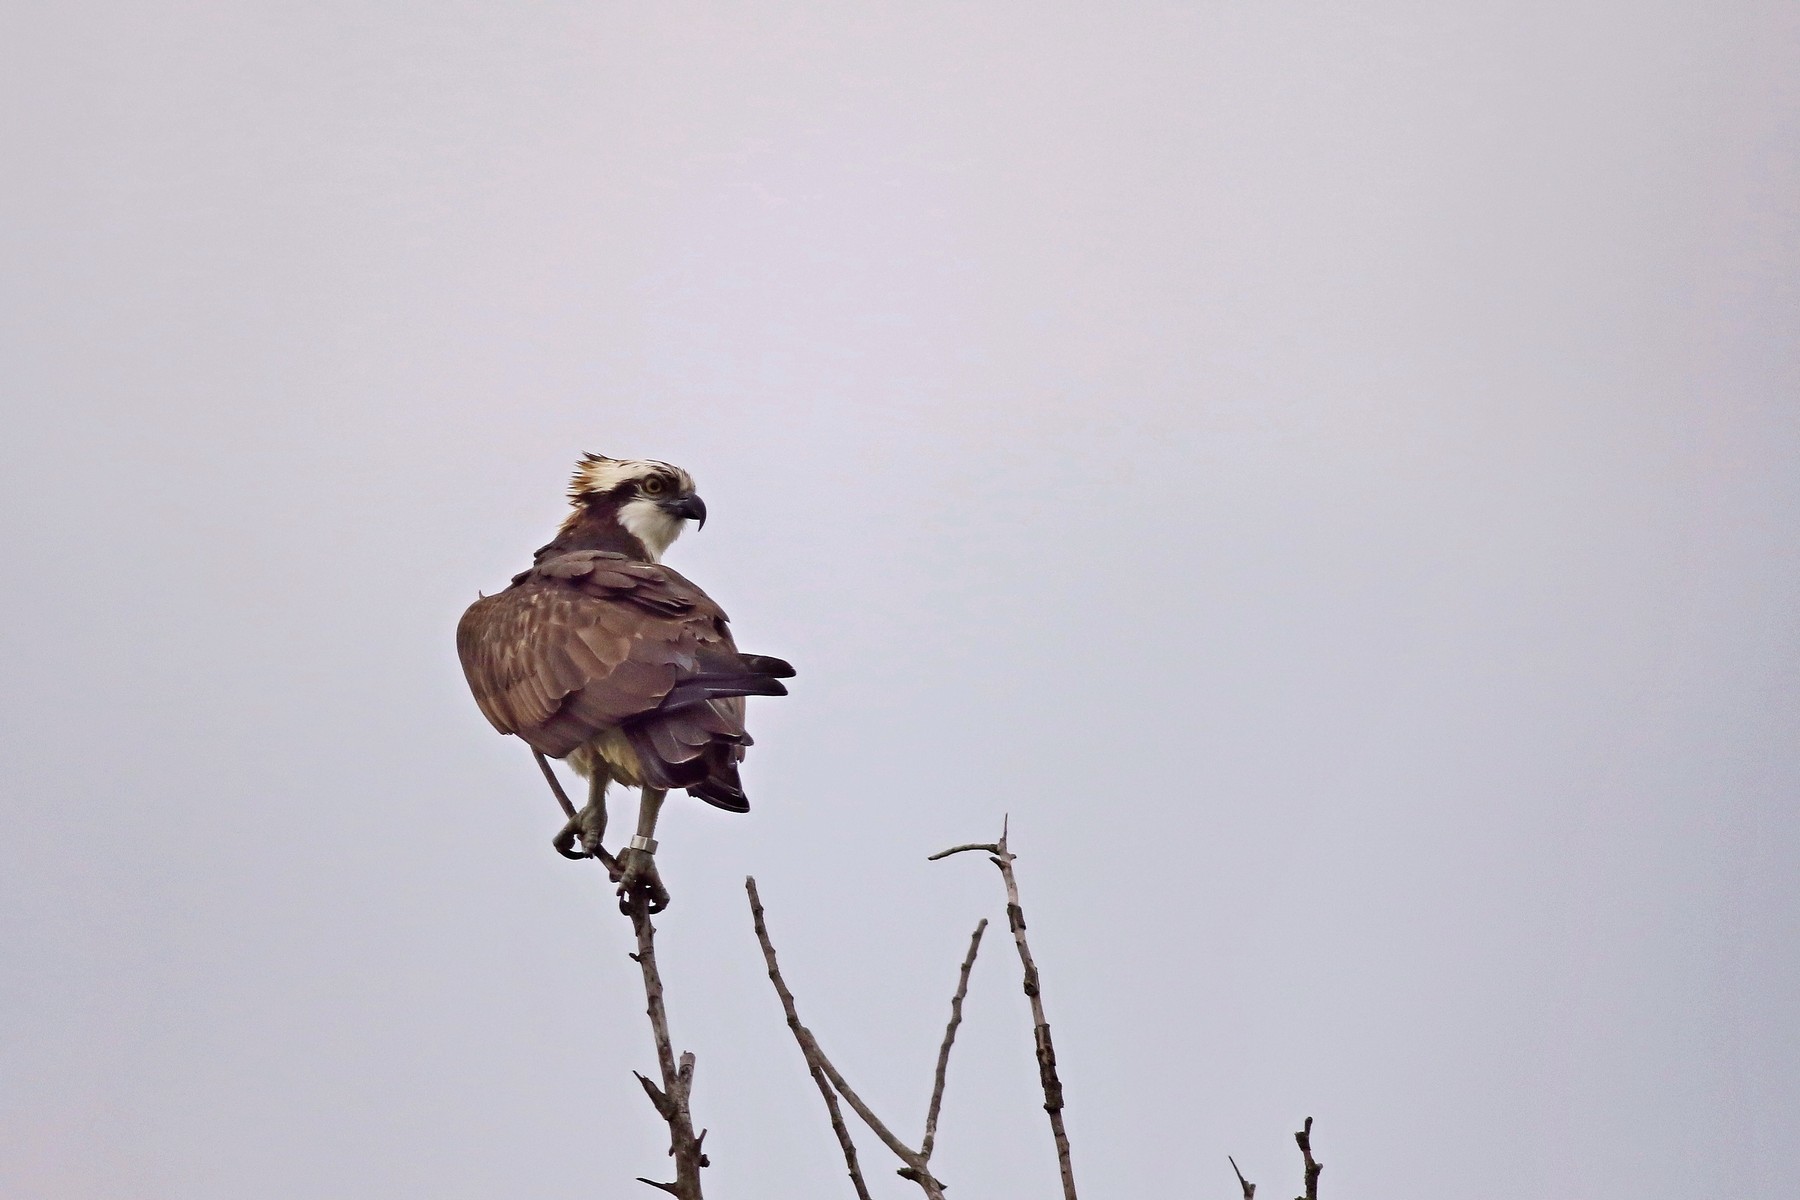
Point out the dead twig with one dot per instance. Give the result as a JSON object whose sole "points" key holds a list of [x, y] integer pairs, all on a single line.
{"points": [[990, 847], [1313, 1166], [1002, 858], [1249, 1188], [1046, 1050], [943, 1061], [916, 1167]]}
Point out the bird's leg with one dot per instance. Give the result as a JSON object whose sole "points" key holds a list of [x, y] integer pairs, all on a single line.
{"points": [[593, 819], [639, 877]]}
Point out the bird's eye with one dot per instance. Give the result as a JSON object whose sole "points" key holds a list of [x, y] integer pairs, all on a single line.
{"points": [[656, 485]]}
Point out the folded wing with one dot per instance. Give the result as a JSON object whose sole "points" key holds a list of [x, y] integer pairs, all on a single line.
{"points": [[590, 642]]}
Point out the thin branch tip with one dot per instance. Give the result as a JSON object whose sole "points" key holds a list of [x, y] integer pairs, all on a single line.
{"points": [[562, 797], [1249, 1188], [943, 1062], [990, 847]]}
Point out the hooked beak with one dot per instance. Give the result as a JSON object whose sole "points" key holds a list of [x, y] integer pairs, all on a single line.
{"points": [[691, 507]]}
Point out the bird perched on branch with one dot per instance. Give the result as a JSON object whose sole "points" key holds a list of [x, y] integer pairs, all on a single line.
{"points": [[601, 655]]}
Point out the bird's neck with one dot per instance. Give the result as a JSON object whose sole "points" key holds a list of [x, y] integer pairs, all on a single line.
{"points": [[595, 527]]}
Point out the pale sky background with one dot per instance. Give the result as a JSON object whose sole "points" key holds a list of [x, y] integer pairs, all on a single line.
{"points": [[1330, 472]]}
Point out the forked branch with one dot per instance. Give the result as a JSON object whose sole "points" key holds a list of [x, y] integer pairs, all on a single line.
{"points": [[813, 1066], [1313, 1166], [1002, 858], [917, 1166]]}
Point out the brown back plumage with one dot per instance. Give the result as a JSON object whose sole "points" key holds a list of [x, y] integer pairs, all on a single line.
{"points": [[593, 641]]}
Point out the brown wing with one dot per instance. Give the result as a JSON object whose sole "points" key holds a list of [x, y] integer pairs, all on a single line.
{"points": [[582, 643], [592, 641]]}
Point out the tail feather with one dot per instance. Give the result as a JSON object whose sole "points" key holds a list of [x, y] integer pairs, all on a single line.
{"points": [[723, 789], [768, 664], [730, 675], [696, 737], [697, 689]]}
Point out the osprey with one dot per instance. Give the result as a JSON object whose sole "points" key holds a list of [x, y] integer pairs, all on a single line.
{"points": [[601, 655]]}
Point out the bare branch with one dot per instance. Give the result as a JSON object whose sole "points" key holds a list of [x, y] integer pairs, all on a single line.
{"points": [[670, 1100], [1046, 1049], [787, 1003], [1304, 1140], [943, 1062], [915, 1168], [556, 786], [1249, 1188], [990, 847]]}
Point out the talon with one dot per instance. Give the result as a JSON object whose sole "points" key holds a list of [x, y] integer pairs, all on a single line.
{"points": [[637, 880], [591, 823], [564, 842], [587, 826]]}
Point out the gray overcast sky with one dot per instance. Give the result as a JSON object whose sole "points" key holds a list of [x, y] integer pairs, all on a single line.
{"points": [[1329, 471]]}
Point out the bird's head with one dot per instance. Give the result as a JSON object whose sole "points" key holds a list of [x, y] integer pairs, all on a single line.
{"points": [[650, 500]]}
